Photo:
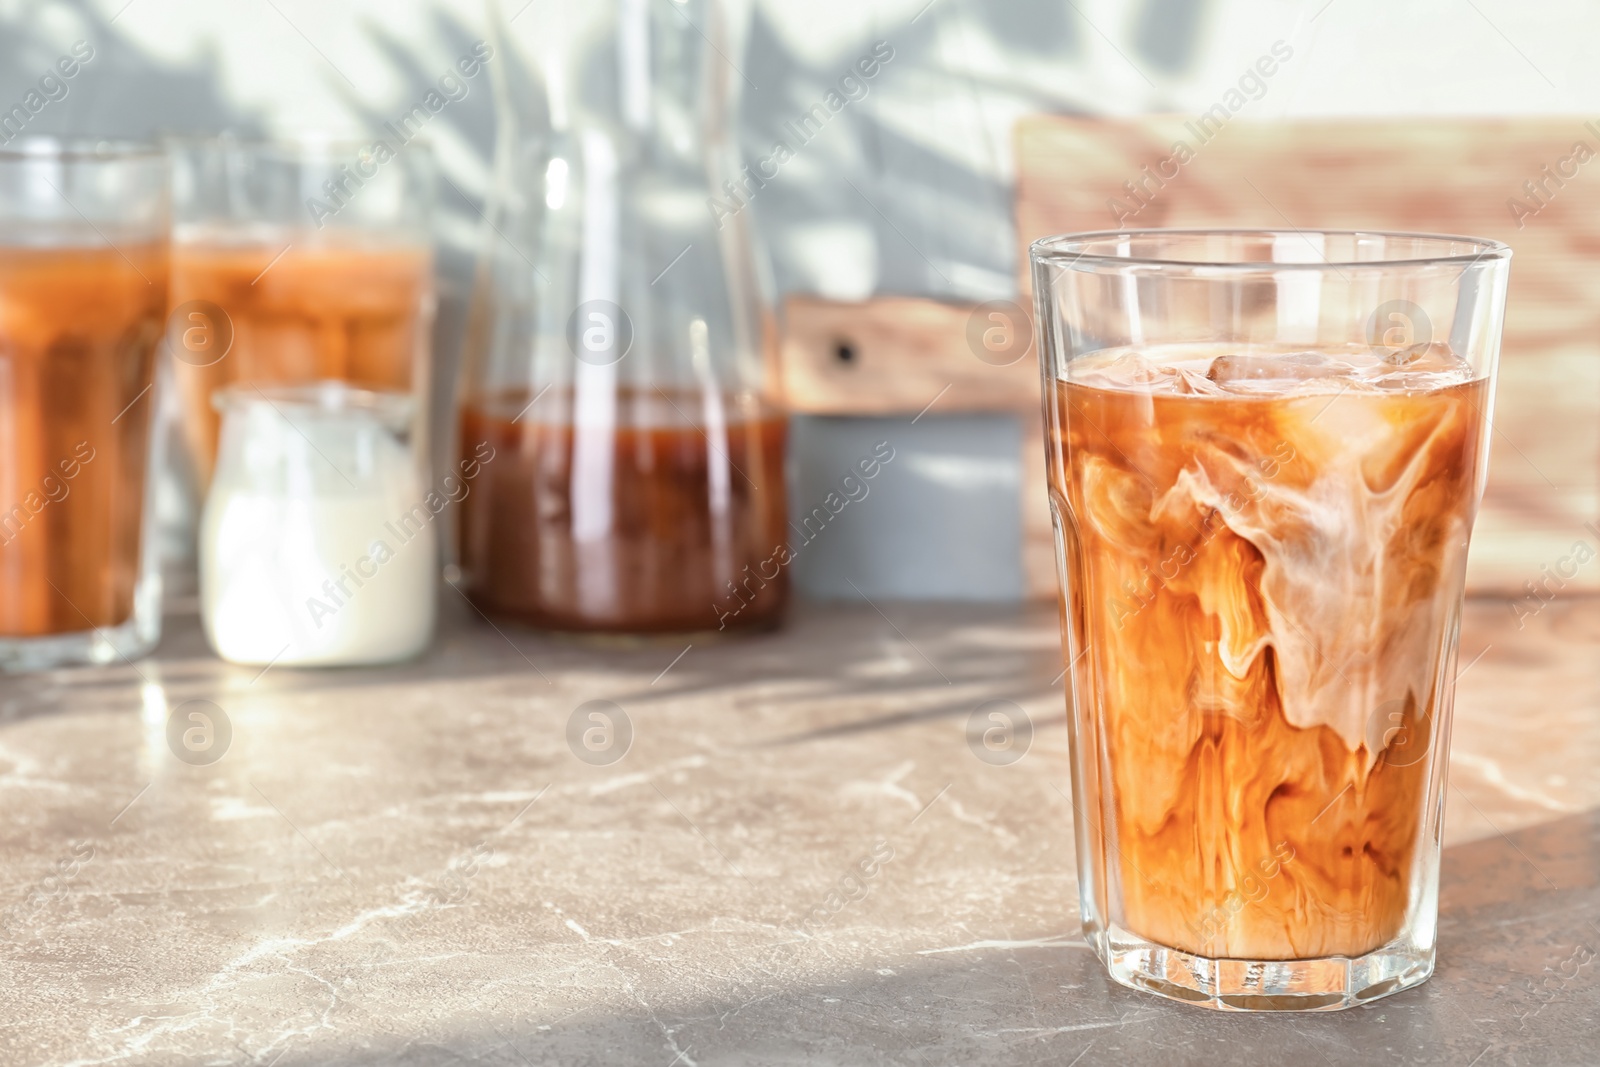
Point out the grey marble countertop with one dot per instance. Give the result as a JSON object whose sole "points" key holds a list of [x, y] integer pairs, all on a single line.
{"points": [[415, 866]]}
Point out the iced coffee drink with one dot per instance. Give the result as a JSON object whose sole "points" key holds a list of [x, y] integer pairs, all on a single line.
{"points": [[79, 329], [83, 295], [1265, 452], [1265, 550], [296, 309]]}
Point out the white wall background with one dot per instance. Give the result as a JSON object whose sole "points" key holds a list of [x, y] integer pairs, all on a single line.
{"points": [[907, 191]]}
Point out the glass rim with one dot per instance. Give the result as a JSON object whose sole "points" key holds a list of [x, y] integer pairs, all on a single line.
{"points": [[1060, 249], [38, 147], [291, 146], [325, 396]]}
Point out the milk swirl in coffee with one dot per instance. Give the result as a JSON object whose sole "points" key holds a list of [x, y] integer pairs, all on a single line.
{"points": [[1264, 549]]}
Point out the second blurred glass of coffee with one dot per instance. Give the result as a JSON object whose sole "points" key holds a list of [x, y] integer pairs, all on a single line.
{"points": [[295, 262]]}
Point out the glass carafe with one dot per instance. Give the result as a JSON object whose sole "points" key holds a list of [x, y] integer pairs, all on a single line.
{"points": [[615, 354]]}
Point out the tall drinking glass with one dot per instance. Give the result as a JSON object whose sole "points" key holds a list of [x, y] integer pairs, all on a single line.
{"points": [[1266, 451], [83, 293], [296, 262]]}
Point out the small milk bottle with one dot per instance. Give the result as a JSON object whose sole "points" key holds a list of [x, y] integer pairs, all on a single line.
{"points": [[318, 542]]}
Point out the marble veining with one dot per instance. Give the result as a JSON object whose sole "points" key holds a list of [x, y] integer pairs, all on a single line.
{"points": [[795, 857]]}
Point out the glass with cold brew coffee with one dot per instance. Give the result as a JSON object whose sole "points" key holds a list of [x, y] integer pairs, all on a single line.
{"points": [[1266, 451], [83, 294], [296, 262]]}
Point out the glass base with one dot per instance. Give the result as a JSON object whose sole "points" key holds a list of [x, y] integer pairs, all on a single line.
{"points": [[1330, 983], [132, 640]]}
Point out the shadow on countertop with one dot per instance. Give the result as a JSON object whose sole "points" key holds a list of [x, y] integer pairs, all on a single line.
{"points": [[1500, 996], [830, 648]]}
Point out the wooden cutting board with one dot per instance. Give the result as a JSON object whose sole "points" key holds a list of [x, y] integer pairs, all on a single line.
{"points": [[1452, 176]]}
